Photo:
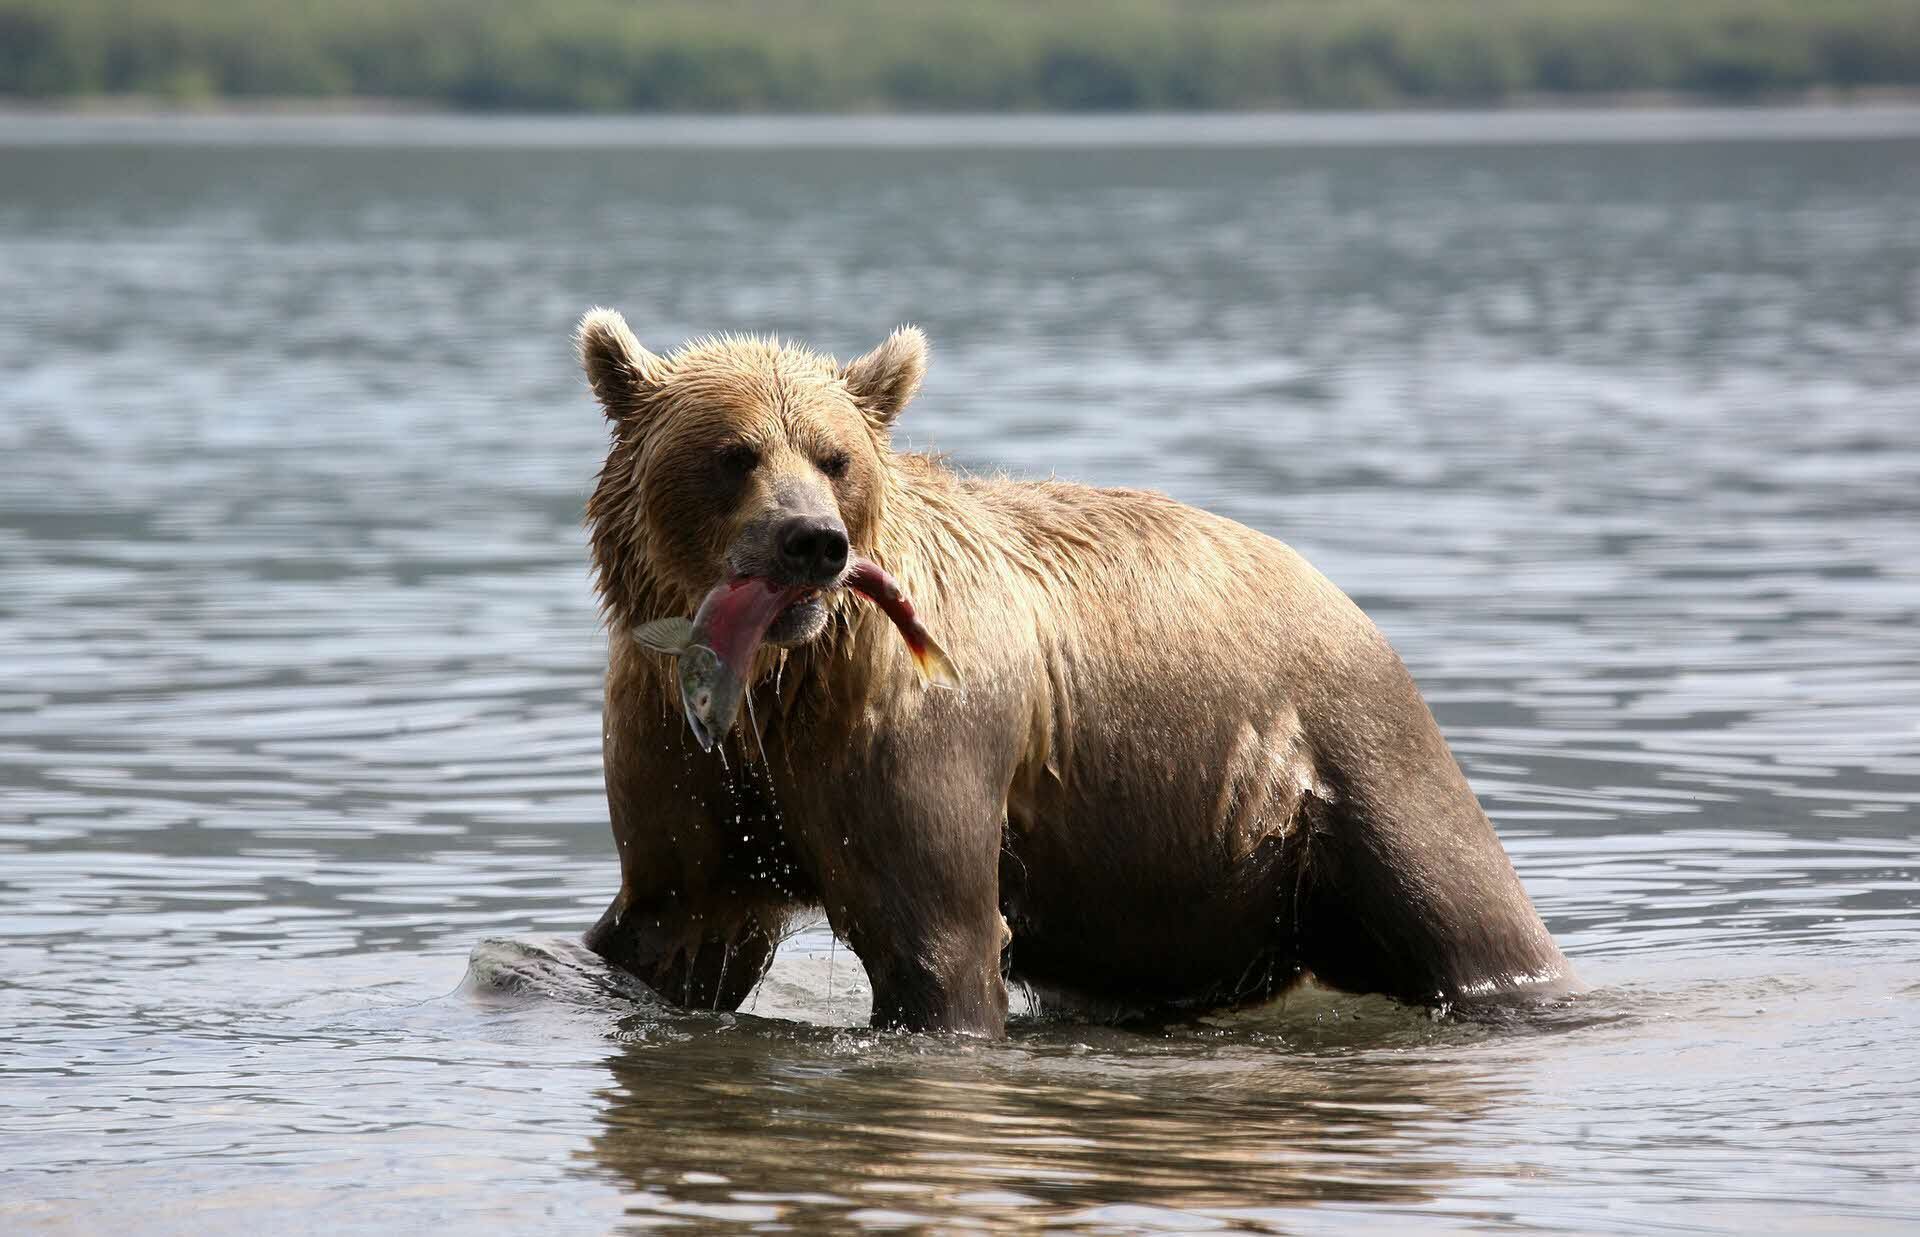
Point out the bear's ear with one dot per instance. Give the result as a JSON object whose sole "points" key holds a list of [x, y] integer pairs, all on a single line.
{"points": [[622, 373], [882, 381]]}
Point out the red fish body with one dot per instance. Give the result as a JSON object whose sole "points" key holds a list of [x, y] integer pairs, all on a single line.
{"points": [[871, 581], [716, 650], [732, 620]]}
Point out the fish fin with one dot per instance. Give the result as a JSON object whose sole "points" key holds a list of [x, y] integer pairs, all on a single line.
{"points": [[665, 635], [935, 667]]}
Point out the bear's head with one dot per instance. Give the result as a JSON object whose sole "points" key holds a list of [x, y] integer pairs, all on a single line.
{"points": [[738, 457]]}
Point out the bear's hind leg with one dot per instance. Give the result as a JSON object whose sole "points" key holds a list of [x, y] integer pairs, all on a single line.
{"points": [[1426, 909]]}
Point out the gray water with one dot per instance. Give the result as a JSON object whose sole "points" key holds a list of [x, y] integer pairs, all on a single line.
{"points": [[1615, 431]]}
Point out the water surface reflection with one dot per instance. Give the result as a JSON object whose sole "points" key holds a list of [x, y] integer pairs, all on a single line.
{"points": [[1082, 1128]]}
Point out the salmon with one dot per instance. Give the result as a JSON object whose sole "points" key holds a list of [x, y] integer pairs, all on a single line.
{"points": [[715, 647]]}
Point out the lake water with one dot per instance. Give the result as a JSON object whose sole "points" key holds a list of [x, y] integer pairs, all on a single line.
{"points": [[1613, 424]]}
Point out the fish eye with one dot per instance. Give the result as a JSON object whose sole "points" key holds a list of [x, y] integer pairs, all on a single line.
{"points": [[835, 465], [739, 459]]}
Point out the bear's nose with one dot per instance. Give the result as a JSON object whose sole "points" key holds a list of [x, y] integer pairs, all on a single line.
{"points": [[812, 548]]}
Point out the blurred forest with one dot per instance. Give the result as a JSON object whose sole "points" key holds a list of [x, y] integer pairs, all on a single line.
{"points": [[839, 55]]}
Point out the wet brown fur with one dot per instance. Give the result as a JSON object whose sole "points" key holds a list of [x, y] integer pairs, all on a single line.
{"points": [[1184, 770]]}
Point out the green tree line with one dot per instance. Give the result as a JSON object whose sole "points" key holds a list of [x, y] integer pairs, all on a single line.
{"points": [[833, 55]]}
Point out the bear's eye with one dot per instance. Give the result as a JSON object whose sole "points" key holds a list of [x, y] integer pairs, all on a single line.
{"points": [[835, 465], [738, 460]]}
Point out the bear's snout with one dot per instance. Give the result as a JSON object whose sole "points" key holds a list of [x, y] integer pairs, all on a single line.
{"points": [[811, 549]]}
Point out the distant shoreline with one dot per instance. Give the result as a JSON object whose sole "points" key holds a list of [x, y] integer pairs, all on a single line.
{"points": [[619, 57], [333, 106], [425, 129]]}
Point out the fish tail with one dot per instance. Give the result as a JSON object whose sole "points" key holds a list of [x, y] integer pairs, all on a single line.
{"points": [[935, 667]]}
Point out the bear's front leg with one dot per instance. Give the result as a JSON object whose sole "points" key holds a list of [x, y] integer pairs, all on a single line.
{"points": [[706, 883], [941, 976], [697, 955], [914, 889]]}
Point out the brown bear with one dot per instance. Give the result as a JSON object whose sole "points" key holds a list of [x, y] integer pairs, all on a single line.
{"points": [[1184, 770]]}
